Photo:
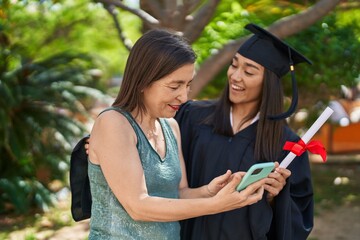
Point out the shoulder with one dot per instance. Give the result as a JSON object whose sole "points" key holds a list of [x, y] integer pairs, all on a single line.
{"points": [[194, 111], [111, 121], [111, 117], [110, 133], [290, 135], [173, 125], [172, 122], [201, 105]]}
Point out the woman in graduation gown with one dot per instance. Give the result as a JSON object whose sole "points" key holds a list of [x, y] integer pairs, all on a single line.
{"points": [[245, 126]]}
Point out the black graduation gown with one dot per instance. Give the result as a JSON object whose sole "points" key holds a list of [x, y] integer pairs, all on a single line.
{"points": [[208, 155]]}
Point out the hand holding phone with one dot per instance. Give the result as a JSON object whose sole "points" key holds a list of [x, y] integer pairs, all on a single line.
{"points": [[255, 173]]}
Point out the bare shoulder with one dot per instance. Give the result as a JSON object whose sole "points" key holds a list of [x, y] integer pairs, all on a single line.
{"points": [[111, 115], [174, 127], [173, 124], [111, 132], [111, 122]]}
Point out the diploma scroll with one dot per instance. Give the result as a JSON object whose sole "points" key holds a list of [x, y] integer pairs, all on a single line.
{"points": [[308, 135]]}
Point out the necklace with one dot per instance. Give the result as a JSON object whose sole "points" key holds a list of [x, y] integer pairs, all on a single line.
{"points": [[156, 140], [151, 133]]}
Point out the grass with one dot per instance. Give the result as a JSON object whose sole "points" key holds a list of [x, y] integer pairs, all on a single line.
{"points": [[35, 225], [336, 184]]}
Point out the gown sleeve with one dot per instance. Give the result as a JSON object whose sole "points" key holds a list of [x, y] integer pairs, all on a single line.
{"points": [[188, 117], [294, 206], [183, 117]]}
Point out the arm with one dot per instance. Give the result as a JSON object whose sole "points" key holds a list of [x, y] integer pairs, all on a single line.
{"points": [[204, 191], [113, 146]]}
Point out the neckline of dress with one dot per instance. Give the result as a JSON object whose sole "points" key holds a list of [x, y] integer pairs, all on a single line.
{"points": [[148, 142]]}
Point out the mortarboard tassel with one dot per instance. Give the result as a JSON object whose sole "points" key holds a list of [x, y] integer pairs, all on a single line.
{"points": [[294, 100]]}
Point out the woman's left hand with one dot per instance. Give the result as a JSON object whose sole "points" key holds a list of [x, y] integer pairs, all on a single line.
{"points": [[276, 181], [218, 183]]}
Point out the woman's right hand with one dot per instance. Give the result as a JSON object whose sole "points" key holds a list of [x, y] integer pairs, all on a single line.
{"points": [[228, 198]]}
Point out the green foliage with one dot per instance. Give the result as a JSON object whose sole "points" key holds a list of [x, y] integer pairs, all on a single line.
{"points": [[268, 11], [228, 24], [22, 192], [334, 47], [40, 29], [39, 125], [332, 44], [44, 101], [231, 17]]}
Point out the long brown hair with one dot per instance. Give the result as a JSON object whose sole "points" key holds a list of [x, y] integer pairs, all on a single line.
{"points": [[155, 55], [269, 132]]}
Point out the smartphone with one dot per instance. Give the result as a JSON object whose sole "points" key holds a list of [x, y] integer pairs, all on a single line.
{"points": [[255, 173]]}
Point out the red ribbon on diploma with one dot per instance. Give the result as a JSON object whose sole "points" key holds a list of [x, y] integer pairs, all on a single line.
{"points": [[300, 147]]}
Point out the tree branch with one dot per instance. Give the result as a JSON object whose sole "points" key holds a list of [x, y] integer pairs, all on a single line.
{"points": [[144, 16], [174, 17], [195, 27], [154, 7], [191, 5], [112, 11], [293, 24]]}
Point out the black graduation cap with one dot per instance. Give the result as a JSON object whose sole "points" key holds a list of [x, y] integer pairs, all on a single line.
{"points": [[275, 55]]}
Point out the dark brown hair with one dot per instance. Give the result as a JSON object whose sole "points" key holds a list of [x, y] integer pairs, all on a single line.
{"points": [[155, 55], [269, 132]]}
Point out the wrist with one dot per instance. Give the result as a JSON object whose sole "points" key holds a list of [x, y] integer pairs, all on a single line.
{"points": [[270, 199], [209, 192]]}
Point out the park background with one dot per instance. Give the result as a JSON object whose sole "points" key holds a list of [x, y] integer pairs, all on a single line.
{"points": [[61, 62]]}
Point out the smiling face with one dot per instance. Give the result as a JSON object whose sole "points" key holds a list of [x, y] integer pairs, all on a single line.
{"points": [[245, 81], [164, 97]]}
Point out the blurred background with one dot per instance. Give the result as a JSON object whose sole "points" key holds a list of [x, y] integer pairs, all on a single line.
{"points": [[61, 62]]}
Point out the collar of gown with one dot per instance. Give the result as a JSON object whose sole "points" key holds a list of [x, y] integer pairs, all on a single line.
{"points": [[252, 121]]}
